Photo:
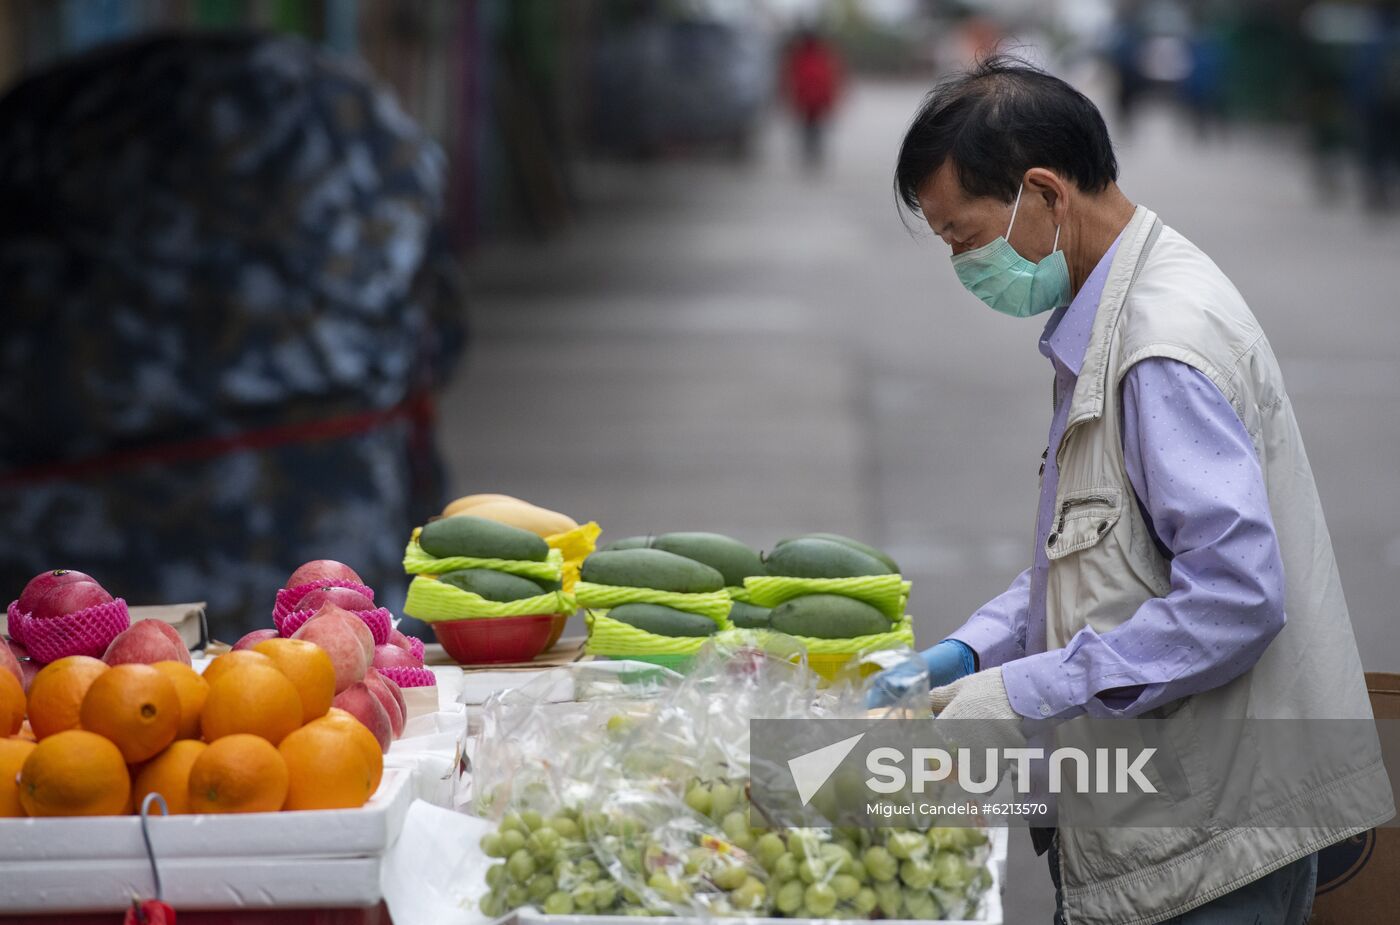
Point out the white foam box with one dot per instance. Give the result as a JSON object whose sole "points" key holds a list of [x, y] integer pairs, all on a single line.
{"points": [[310, 859]]}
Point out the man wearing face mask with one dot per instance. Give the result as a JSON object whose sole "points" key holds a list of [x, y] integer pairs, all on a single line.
{"points": [[1181, 555]]}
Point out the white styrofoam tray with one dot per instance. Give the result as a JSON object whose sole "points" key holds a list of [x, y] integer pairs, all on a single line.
{"points": [[328, 833]]}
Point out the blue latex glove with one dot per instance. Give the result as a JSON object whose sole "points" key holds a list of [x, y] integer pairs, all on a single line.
{"points": [[942, 664]]}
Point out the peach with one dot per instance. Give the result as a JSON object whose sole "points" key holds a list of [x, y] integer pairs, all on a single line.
{"points": [[9, 663], [391, 656], [341, 597], [27, 666], [253, 638], [322, 571], [359, 701], [358, 626], [146, 642], [399, 639], [376, 683], [341, 643], [398, 695]]}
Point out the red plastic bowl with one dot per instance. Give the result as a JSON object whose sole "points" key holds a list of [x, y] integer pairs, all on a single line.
{"points": [[493, 640], [557, 630]]}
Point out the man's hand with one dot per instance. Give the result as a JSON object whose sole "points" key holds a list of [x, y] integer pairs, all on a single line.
{"points": [[977, 696]]}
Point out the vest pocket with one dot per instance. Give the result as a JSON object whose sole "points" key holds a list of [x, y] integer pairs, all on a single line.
{"points": [[1082, 518]]}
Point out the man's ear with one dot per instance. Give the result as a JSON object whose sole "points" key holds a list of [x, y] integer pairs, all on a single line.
{"points": [[1051, 189]]}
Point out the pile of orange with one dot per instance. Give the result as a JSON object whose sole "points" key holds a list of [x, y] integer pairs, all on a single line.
{"points": [[255, 733]]}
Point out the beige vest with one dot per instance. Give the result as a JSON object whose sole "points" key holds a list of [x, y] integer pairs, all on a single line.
{"points": [[1165, 298]]}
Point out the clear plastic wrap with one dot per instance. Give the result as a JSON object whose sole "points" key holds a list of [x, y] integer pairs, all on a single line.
{"points": [[641, 804]]}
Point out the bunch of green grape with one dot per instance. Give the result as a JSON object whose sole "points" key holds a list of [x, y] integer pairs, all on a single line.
{"points": [[547, 862], [892, 873]]}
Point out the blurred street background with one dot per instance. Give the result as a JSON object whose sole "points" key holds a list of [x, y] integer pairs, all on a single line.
{"points": [[690, 303]]}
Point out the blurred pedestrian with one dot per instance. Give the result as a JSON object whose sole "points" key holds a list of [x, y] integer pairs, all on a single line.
{"points": [[812, 79], [1181, 563], [227, 302]]}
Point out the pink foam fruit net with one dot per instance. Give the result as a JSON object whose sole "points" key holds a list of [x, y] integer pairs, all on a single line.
{"points": [[83, 632], [409, 677], [379, 621]]}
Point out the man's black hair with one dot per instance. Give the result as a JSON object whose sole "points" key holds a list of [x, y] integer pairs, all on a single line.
{"points": [[995, 122]]}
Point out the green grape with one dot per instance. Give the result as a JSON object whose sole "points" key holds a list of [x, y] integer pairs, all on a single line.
{"points": [[801, 842], [835, 856], [856, 869], [865, 901], [566, 827], [513, 822], [589, 869], [604, 894], [951, 872], [667, 887], [630, 897], [768, 849], [584, 897], [558, 904], [496, 875], [921, 905], [492, 845], [698, 799], [492, 906], [543, 842], [521, 866], [540, 886], [750, 894], [532, 819], [880, 864], [564, 871], [917, 874], [730, 875], [889, 896], [516, 896], [820, 898], [512, 840], [789, 898], [696, 859], [631, 859], [811, 870], [845, 885], [943, 839], [905, 845], [723, 798], [785, 867]]}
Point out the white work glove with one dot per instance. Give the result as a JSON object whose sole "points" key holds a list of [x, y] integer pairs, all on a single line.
{"points": [[976, 696]]}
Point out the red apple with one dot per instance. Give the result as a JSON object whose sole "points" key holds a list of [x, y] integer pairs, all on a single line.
{"points": [[344, 598], [322, 571], [9, 663], [45, 582], [387, 656], [146, 642], [338, 638], [253, 638], [69, 597], [358, 626], [375, 682], [359, 701]]}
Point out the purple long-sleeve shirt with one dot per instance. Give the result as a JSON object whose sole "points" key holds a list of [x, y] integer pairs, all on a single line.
{"points": [[1199, 485]]}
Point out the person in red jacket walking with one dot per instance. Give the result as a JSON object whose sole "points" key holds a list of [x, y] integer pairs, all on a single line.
{"points": [[812, 80]]}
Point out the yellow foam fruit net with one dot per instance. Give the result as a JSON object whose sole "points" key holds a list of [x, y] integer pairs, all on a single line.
{"points": [[616, 639], [575, 545], [887, 593], [432, 601], [713, 604], [418, 562]]}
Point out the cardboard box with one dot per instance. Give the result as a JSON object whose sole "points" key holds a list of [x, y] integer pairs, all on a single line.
{"points": [[1356, 879]]}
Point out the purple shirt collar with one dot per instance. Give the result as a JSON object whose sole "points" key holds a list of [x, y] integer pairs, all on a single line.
{"points": [[1066, 335]]}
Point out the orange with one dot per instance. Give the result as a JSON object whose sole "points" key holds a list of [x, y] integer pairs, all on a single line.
{"points": [[192, 689], [12, 755], [326, 768], [257, 699], [215, 669], [239, 773], [136, 707], [363, 738], [57, 691], [169, 775], [74, 773], [309, 667], [12, 704]]}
